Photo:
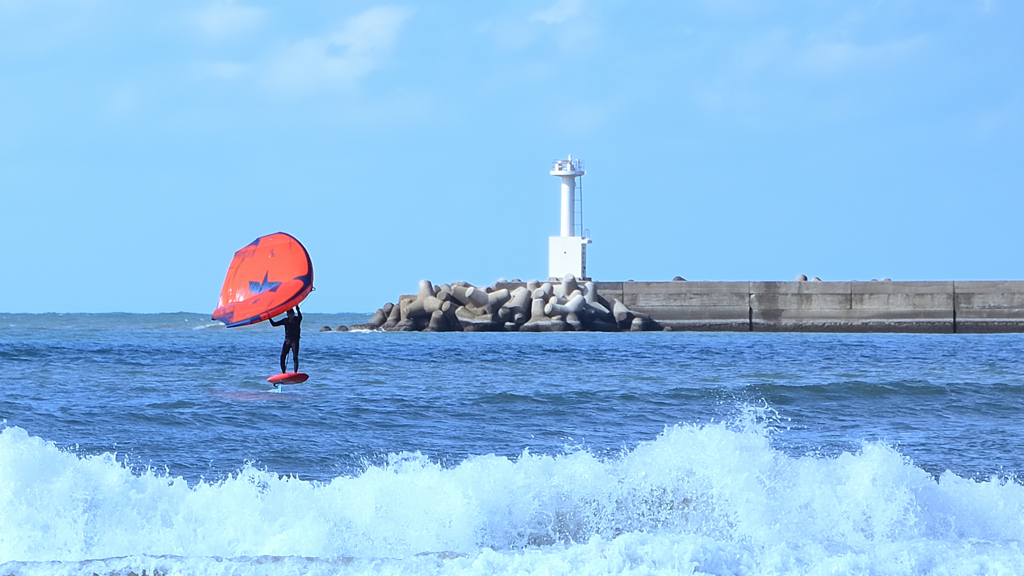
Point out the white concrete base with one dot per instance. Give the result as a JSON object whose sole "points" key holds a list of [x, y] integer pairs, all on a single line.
{"points": [[567, 255]]}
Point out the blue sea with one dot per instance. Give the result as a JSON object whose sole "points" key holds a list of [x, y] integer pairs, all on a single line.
{"points": [[152, 444]]}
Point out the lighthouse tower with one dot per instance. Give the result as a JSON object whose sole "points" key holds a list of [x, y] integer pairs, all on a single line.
{"points": [[567, 253]]}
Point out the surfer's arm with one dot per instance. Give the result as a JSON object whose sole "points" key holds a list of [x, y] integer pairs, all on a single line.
{"points": [[298, 313], [272, 323]]}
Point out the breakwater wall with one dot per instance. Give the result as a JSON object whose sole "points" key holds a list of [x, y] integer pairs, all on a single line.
{"points": [[798, 306], [802, 306]]}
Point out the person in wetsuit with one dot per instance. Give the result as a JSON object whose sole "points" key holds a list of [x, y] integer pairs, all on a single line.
{"points": [[291, 336]]}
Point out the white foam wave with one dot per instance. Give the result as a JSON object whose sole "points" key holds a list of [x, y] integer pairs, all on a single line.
{"points": [[208, 325], [712, 499]]}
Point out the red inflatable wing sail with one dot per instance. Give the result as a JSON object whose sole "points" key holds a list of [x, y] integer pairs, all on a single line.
{"points": [[265, 279]]}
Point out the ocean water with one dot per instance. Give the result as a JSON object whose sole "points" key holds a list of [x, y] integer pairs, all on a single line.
{"points": [[152, 444]]}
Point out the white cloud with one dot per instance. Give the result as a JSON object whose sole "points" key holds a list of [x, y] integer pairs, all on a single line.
{"points": [[227, 18], [565, 22], [45, 26], [574, 30], [342, 58], [1005, 119], [762, 52], [222, 70], [122, 102], [829, 57], [562, 11], [508, 34]]}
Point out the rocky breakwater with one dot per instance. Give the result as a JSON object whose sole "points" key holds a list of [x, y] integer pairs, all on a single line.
{"points": [[514, 306]]}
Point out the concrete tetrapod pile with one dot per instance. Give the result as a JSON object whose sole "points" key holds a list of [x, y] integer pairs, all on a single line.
{"points": [[508, 307]]}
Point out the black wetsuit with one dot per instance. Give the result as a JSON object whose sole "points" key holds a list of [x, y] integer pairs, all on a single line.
{"points": [[291, 338]]}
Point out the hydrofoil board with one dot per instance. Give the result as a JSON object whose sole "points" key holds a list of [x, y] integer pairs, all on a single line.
{"points": [[288, 378]]}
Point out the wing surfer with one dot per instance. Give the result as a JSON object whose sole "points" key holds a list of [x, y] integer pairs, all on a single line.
{"points": [[291, 336]]}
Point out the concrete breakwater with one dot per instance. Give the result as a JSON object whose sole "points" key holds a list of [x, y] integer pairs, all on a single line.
{"points": [[566, 305], [800, 306]]}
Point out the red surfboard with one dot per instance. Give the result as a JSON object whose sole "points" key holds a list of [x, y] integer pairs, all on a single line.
{"points": [[288, 378], [265, 279]]}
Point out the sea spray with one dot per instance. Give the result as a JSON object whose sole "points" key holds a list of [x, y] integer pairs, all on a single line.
{"points": [[714, 497]]}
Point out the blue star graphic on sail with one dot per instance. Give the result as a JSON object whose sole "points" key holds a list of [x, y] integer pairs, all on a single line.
{"points": [[265, 286]]}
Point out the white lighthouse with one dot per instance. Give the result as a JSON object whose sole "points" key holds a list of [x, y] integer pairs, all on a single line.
{"points": [[567, 253]]}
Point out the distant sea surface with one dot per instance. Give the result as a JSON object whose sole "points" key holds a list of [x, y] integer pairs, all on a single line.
{"points": [[138, 443]]}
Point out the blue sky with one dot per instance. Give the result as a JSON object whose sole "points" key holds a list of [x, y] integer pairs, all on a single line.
{"points": [[142, 143]]}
